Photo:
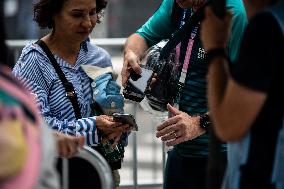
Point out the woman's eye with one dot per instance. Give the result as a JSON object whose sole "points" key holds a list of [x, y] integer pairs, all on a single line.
{"points": [[77, 15], [92, 13]]}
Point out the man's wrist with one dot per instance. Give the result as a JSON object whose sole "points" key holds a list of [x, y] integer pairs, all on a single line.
{"points": [[213, 53], [205, 121]]}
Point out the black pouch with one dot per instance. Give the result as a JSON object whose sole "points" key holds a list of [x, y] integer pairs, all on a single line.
{"points": [[167, 69], [112, 154]]}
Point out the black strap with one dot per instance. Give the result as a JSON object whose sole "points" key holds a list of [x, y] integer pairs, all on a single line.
{"points": [[183, 31], [69, 89]]}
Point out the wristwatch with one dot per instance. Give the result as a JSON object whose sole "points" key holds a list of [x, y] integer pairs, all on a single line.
{"points": [[204, 121]]}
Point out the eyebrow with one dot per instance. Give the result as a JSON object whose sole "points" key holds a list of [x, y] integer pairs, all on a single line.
{"points": [[79, 10]]}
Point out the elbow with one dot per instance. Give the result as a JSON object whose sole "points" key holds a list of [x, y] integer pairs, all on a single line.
{"points": [[228, 132], [225, 136]]}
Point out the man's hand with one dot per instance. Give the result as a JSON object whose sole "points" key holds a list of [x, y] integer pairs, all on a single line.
{"points": [[131, 62], [179, 128], [214, 31], [68, 146]]}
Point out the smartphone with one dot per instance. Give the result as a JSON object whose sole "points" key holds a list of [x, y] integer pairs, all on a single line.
{"points": [[141, 82], [137, 85], [127, 119]]}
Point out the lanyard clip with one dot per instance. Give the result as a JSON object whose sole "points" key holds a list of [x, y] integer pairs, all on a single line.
{"points": [[70, 94]]}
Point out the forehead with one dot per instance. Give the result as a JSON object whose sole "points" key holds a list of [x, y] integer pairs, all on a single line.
{"points": [[79, 4]]}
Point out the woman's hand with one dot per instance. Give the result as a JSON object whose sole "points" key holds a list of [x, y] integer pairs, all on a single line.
{"points": [[107, 126], [68, 146], [179, 128], [215, 32]]}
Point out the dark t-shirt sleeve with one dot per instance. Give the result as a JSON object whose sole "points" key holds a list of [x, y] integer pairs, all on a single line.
{"points": [[258, 55]]}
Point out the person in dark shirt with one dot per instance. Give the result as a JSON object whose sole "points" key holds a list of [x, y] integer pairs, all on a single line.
{"points": [[246, 101]]}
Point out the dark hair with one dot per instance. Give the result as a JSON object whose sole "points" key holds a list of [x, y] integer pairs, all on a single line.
{"points": [[45, 9]]}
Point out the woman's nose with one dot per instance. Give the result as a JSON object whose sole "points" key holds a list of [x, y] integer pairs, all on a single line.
{"points": [[87, 22]]}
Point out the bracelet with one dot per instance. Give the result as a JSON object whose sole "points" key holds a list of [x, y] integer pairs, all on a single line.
{"points": [[205, 122], [213, 53]]}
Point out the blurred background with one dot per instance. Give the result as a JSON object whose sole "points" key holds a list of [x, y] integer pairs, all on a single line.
{"points": [[143, 162]]}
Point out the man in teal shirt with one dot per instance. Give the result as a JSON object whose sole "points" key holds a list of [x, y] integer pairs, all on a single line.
{"points": [[187, 162]]}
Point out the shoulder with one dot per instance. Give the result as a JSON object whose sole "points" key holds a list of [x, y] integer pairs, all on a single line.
{"points": [[33, 66], [32, 56], [32, 50], [165, 9], [237, 8], [97, 56], [239, 23], [265, 30], [264, 24], [168, 5]]}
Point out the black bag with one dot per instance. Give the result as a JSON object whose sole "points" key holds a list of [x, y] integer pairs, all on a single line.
{"points": [[167, 70], [161, 58]]}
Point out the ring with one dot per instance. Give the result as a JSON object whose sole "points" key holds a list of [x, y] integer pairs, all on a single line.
{"points": [[175, 134]]}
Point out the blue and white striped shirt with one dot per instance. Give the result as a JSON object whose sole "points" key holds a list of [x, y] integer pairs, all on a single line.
{"points": [[38, 74]]}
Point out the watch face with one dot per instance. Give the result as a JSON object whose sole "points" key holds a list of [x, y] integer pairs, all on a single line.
{"points": [[204, 121]]}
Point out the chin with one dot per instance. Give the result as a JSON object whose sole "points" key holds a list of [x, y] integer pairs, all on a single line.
{"points": [[84, 36]]}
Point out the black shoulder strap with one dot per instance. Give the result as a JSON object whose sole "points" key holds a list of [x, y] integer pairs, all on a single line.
{"points": [[69, 89], [176, 15], [183, 31]]}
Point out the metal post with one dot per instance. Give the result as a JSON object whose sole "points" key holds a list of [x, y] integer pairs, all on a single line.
{"points": [[135, 175], [164, 159], [65, 171]]}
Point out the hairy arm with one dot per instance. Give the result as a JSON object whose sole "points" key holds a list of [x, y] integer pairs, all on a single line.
{"points": [[134, 50], [136, 44], [233, 106], [236, 98], [158, 27]]}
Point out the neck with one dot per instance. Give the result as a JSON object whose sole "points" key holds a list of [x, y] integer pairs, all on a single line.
{"points": [[64, 48]]}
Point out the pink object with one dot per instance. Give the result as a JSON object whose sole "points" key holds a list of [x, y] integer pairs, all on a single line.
{"points": [[28, 177]]}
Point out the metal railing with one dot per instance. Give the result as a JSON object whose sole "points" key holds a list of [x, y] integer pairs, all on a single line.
{"points": [[16, 47], [97, 161]]}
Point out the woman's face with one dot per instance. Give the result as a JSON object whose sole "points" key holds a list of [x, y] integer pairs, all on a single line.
{"points": [[76, 20], [190, 3]]}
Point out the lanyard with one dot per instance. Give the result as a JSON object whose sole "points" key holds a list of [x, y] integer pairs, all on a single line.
{"points": [[186, 59]]}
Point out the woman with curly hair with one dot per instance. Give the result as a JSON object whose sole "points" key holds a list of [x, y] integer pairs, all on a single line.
{"points": [[51, 69]]}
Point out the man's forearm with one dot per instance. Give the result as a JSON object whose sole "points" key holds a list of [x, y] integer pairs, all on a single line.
{"points": [[217, 81], [137, 44]]}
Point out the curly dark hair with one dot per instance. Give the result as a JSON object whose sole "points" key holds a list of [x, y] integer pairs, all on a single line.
{"points": [[45, 9]]}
